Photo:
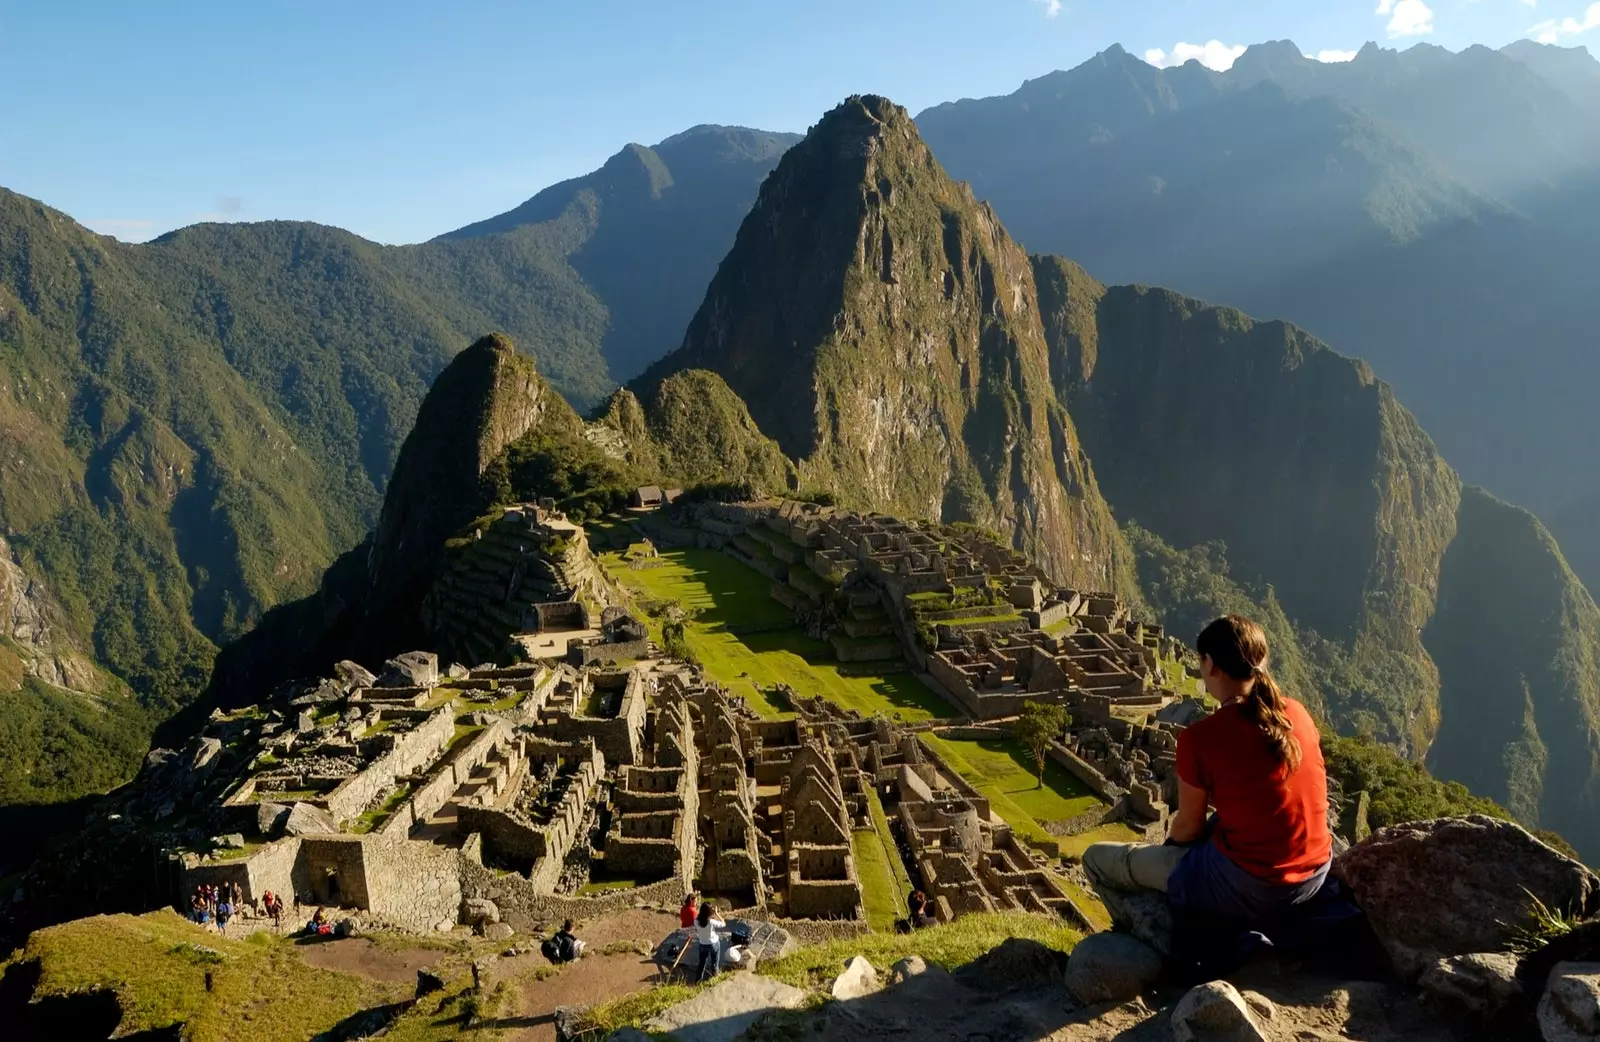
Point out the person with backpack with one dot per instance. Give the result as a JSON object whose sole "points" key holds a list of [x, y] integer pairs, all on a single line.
{"points": [[224, 913], [705, 933]]}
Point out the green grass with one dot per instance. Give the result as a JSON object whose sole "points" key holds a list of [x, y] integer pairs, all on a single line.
{"points": [[378, 815], [156, 964], [606, 885], [1116, 832], [877, 881], [950, 945], [633, 1010], [897, 867], [744, 639], [1003, 771]]}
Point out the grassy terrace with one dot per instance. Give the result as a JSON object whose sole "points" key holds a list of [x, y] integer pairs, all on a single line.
{"points": [[745, 639], [1003, 771]]}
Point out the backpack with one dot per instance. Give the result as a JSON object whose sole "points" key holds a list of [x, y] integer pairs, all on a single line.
{"points": [[568, 948], [550, 949]]}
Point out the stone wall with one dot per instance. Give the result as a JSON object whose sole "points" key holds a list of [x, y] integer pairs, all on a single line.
{"points": [[413, 750], [523, 905], [508, 838], [590, 654], [1081, 769], [331, 870], [412, 884]]}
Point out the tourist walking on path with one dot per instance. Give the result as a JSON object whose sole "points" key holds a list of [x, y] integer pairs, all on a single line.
{"points": [[705, 933], [1258, 760], [224, 913]]}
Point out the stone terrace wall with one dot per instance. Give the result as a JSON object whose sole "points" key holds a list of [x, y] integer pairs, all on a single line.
{"points": [[1081, 769], [324, 858], [522, 904], [412, 751], [414, 884], [269, 868]]}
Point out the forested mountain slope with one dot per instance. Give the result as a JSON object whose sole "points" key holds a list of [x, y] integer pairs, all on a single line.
{"points": [[196, 426], [1433, 212]]}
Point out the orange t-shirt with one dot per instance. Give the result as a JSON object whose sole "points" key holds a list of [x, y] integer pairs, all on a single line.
{"points": [[1270, 823]]}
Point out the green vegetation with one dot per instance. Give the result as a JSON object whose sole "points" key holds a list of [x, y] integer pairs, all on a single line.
{"points": [[749, 642], [1039, 725], [157, 967], [951, 945], [877, 882], [1003, 771]]}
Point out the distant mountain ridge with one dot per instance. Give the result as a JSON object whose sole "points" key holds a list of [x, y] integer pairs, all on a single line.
{"points": [[1432, 212]]}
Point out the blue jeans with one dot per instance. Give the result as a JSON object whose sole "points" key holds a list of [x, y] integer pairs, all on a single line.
{"points": [[708, 961], [1207, 882]]}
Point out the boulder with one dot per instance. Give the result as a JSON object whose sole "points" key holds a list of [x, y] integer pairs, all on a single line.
{"points": [[306, 820], [412, 669], [1481, 987], [323, 691], [306, 722], [499, 931], [479, 911], [1216, 1012], [726, 1009], [1017, 963], [353, 675], [428, 982], [1111, 967], [858, 980], [1570, 1008], [270, 817], [457, 671], [905, 969], [205, 753], [1145, 915], [1459, 886], [230, 841], [347, 928]]}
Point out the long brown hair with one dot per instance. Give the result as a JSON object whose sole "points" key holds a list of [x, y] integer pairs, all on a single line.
{"points": [[1238, 647]]}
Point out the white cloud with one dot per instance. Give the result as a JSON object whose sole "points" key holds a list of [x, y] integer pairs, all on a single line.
{"points": [[128, 229], [1407, 17], [1214, 55], [1333, 57], [1051, 7], [1553, 30]]}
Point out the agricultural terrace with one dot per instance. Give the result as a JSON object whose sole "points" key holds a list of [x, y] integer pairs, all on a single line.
{"points": [[1003, 771], [745, 640]]}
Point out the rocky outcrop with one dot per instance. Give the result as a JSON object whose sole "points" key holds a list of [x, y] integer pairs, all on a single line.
{"points": [[1111, 967], [882, 327], [1460, 886], [1215, 1012], [1570, 1009], [28, 622]]}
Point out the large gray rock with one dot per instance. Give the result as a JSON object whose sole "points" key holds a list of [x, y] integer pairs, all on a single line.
{"points": [[479, 911], [307, 820], [725, 1010], [1111, 967], [205, 753], [1145, 915], [857, 981], [270, 818], [905, 969], [412, 669], [1459, 886], [1481, 986], [1570, 1009], [499, 931], [353, 675], [1216, 1012]]}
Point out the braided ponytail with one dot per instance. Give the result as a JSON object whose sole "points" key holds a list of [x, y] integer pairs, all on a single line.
{"points": [[1238, 647]]}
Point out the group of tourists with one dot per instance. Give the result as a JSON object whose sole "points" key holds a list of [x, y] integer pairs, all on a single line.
{"points": [[706, 929], [220, 903], [215, 903]]}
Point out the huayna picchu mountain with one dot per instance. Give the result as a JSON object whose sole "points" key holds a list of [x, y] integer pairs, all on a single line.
{"points": [[885, 330]]}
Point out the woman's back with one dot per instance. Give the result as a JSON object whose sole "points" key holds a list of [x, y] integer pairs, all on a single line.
{"points": [[1270, 821]]}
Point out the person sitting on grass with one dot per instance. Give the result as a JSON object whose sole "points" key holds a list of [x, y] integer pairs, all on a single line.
{"points": [[705, 933], [1258, 761]]}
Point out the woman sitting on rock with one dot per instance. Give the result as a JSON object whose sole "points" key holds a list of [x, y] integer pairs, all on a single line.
{"points": [[1258, 761]]}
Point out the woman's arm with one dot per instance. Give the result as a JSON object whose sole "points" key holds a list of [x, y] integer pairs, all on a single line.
{"points": [[1189, 824]]}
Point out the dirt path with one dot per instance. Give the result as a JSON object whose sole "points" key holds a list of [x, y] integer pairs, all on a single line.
{"points": [[592, 979], [361, 956]]}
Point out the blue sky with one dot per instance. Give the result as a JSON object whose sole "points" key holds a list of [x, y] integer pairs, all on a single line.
{"points": [[403, 119]]}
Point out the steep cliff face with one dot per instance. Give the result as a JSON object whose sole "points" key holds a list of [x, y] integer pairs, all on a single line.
{"points": [[886, 331], [1205, 425], [1517, 639]]}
